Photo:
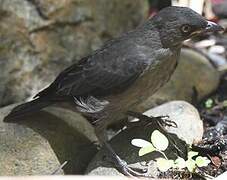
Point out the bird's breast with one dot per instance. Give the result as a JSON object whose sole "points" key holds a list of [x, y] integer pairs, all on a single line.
{"points": [[154, 78], [144, 87], [147, 84]]}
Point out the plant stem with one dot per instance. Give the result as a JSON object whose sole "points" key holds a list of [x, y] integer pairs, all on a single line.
{"points": [[163, 155]]}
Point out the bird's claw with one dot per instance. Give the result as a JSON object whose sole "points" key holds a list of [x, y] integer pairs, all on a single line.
{"points": [[123, 167], [149, 120], [162, 120]]}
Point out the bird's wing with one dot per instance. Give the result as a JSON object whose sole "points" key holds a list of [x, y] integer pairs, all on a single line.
{"points": [[109, 70]]}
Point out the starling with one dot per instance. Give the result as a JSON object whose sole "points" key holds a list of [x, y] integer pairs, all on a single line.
{"points": [[123, 73]]}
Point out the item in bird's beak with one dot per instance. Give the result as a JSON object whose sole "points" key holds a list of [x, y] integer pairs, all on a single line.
{"points": [[213, 27]]}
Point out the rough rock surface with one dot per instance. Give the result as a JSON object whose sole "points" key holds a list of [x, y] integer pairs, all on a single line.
{"points": [[194, 79], [184, 114], [39, 38], [40, 146]]}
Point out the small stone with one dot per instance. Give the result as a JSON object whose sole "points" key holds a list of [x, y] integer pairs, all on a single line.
{"points": [[186, 116]]}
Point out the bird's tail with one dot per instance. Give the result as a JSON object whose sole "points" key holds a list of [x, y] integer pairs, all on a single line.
{"points": [[27, 108]]}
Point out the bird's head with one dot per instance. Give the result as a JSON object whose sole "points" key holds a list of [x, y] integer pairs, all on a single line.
{"points": [[176, 24]]}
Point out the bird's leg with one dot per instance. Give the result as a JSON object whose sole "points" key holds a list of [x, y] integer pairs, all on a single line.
{"points": [[120, 164], [148, 120]]}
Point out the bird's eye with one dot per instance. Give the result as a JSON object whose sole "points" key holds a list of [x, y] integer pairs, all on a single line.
{"points": [[186, 28]]}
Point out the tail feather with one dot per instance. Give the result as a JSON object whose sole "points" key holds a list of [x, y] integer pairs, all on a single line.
{"points": [[26, 109]]}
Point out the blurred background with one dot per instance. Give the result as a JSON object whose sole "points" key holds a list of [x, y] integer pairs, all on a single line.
{"points": [[39, 38]]}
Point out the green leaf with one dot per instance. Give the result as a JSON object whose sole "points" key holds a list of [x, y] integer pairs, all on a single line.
{"points": [[225, 103], [180, 163], [146, 150], [191, 165], [191, 154], [209, 103], [202, 161], [159, 140], [140, 143], [164, 164]]}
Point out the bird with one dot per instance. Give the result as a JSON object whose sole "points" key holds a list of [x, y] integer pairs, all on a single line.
{"points": [[123, 73]]}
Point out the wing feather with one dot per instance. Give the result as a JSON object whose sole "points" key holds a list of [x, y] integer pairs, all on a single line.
{"points": [[102, 73]]}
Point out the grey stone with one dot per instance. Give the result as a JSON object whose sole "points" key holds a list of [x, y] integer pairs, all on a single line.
{"points": [[40, 143], [190, 129], [186, 116]]}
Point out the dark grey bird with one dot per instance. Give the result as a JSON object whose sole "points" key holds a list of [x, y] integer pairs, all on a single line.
{"points": [[124, 72]]}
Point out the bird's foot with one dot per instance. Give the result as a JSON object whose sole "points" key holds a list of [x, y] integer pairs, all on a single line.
{"points": [[146, 120], [123, 168], [164, 121]]}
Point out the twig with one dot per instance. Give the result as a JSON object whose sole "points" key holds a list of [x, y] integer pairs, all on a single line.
{"points": [[59, 168]]}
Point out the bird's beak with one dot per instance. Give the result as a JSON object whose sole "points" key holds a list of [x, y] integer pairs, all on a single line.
{"points": [[213, 27]]}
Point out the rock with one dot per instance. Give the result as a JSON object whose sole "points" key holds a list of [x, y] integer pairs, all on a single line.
{"points": [[39, 38], [190, 129], [185, 115], [222, 176], [39, 146], [219, 61], [104, 171], [194, 72], [223, 23]]}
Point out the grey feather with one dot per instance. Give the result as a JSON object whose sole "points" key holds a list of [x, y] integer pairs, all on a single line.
{"points": [[90, 104]]}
